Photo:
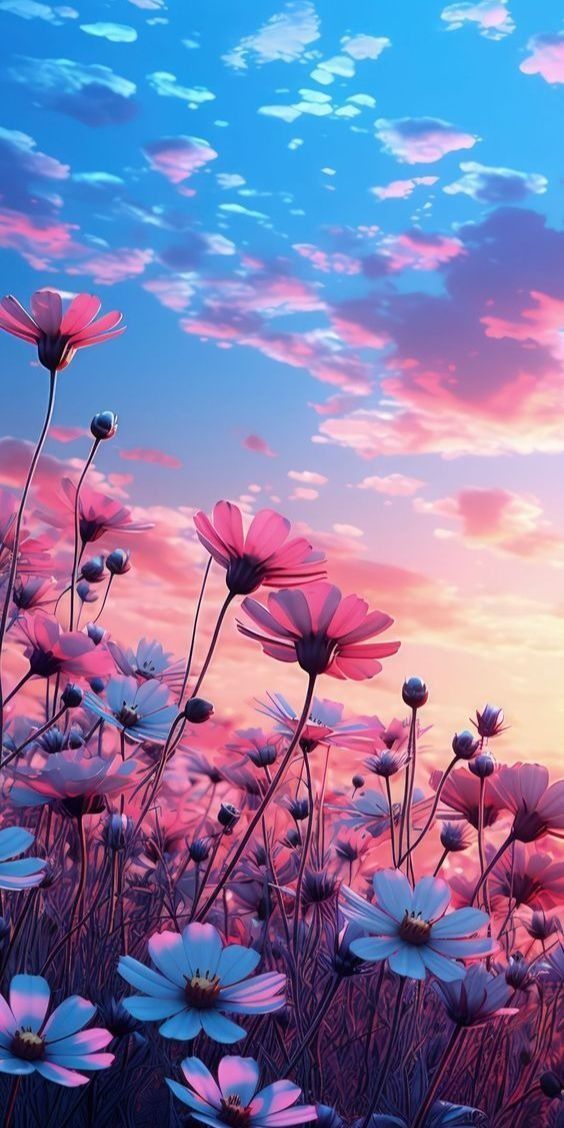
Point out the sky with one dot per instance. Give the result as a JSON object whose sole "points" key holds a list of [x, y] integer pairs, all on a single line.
{"points": [[335, 233]]}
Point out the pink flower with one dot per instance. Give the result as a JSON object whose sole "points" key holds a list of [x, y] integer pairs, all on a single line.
{"points": [[98, 513], [524, 790], [461, 793], [320, 630], [526, 877], [50, 650], [58, 335], [264, 556]]}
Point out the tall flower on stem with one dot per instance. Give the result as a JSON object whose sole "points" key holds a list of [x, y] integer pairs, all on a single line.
{"points": [[57, 337], [103, 427], [235, 1098], [263, 557]]}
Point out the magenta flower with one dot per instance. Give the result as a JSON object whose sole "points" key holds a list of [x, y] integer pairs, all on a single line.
{"points": [[50, 650], [234, 1099], [538, 809], [461, 793], [523, 876], [56, 1048], [58, 335], [196, 980], [98, 513], [264, 556], [320, 630], [411, 929]]}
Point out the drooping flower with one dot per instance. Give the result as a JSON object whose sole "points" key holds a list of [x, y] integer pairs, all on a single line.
{"points": [[322, 631], [148, 660], [477, 998], [197, 979], [56, 1048], [24, 873], [538, 808], [235, 1098], [58, 335], [140, 711], [324, 724], [51, 650], [73, 779], [409, 927], [264, 556]]}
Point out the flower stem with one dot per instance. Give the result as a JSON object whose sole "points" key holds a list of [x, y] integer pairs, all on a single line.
{"points": [[433, 810], [12, 1102], [228, 600], [445, 1062], [491, 865], [392, 1038], [87, 465], [17, 532], [194, 629], [264, 804]]}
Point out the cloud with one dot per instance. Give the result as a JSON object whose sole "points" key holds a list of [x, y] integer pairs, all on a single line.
{"points": [[173, 292], [91, 93], [491, 17], [401, 189], [36, 240], [108, 268], [393, 485], [178, 158], [499, 519], [66, 434], [114, 33], [326, 262], [496, 185], [258, 445], [546, 58], [421, 140], [308, 477], [32, 10], [303, 493], [318, 104], [418, 250], [155, 457], [344, 65], [26, 173], [364, 46], [348, 530], [283, 38], [167, 86]]}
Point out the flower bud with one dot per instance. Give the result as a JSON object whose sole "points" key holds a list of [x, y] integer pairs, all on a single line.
{"points": [[264, 756], [228, 816], [118, 562], [299, 809], [93, 570], [197, 711], [551, 1085], [104, 425], [465, 745], [454, 837], [414, 693], [85, 593], [117, 831], [95, 633], [97, 685], [75, 737], [482, 766], [293, 837], [357, 781], [489, 722], [72, 696], [517, 972], [199, 850]]}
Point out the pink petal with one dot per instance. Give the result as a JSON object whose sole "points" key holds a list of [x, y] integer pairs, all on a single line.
{"points": [[47, 309], [229, 525], [81, 312]]}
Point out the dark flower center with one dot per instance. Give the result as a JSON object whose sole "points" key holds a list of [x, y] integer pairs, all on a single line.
{"points": [[414, 930], [233, 1113], [128, 715], [202, 990], [315, 652], [244, 574], [528, 826], [27, 1045]]}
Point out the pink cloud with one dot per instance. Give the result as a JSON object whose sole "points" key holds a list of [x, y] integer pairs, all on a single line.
{"points": [[421, 140], [401, 189], [394, 485], [304, 493], [37, 240], [500, 519], [546, 58], [326, 262], [420, 251], [148, 454], [178, 158], [258, 445], [114, 266], [308, 477], [66, 434]]}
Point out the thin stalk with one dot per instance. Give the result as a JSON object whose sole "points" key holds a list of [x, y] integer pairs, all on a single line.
{"points": [[392, 1038], [433, 810], [392, 828], [34, 736], [489, 868], [17, 532], [105, 599], [12, 1102], [265, 802], [226, 604], [194, 630], [324, 1005], [445, 1062], [77, 538]]}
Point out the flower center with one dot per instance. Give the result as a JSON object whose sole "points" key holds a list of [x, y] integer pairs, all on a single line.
{"points": [[128, 715], [27, 1045], [414, 930], [202, 990], [233, 1113], [244, 574]]}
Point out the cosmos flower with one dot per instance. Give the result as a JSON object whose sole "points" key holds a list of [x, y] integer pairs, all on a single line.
{"points": [[51, 650], [253, 743], [527, 877], [33, 592], [322, 631], [57, 1048], [324, 724], [98, 513], [410, 929], [74, 779], [141, 711], [149, 660], [25, 872], [58, 335], [538, 808], [264, 556], [477, 998], [196, 980], [461, 793], [234, 1099]]}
